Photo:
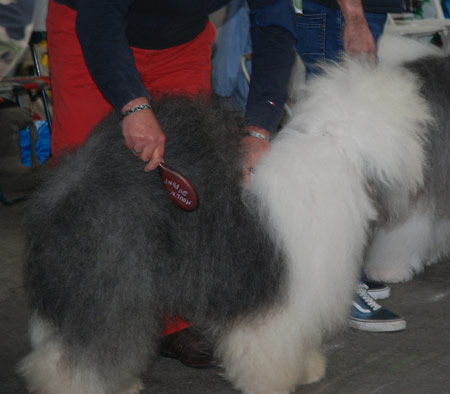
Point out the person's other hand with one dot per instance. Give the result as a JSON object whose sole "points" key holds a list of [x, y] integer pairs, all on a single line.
{"points": [[254, 149], [143, 134], [358, 39]]}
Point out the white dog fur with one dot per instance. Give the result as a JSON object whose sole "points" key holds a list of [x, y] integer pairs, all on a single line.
{"points": [[312, 186]]}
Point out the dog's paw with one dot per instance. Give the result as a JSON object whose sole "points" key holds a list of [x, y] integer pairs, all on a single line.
{"points": [[391, 274], [135, 388], [315, 367]]}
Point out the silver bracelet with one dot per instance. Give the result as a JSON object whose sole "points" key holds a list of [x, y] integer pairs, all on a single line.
{"points": [[136, 108], [255, 134]]}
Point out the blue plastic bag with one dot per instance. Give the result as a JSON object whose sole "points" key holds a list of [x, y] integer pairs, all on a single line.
{"points": [[446, 8], [41, 146]]}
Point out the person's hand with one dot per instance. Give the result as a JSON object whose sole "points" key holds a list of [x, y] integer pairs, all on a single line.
{"points": [[358, 39], [143, 134], [254, 149]]}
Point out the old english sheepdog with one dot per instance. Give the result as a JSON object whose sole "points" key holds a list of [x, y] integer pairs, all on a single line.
{"points": [[267, 270]]}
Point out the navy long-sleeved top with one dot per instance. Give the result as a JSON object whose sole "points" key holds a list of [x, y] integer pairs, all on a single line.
{"points": [[375, 6], [107, 28]]}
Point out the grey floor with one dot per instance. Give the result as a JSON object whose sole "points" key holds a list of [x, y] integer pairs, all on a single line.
{"points": [[415, 361]]}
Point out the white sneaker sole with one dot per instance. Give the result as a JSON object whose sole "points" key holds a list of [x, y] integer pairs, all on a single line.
{"points": [[381, 326]]}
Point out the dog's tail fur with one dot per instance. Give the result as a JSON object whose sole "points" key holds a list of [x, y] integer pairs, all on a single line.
{"points": [[355, 144]]}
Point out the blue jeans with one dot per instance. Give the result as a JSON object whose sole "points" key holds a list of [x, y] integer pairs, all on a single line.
{"points": [[320, 33]]}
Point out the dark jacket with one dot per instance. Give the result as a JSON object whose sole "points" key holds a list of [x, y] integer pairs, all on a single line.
{"points": [[375, 6], [107, 28]]}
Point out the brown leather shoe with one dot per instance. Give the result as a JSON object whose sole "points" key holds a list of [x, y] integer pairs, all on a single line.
{"points": [[189, 347]]}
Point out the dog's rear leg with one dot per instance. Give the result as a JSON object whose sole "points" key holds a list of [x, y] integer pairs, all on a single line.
{"points": [[58, 367], [273, 354], [315, 366], [399, 250]]}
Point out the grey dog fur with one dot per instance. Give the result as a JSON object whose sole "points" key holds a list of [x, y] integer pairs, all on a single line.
{"points": [[433, 74], [110, 252]]}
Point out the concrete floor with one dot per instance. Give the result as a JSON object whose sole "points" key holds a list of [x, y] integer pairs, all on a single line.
{"points": [[415, 361]]}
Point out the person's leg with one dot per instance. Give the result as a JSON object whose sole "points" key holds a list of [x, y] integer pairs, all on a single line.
{"points": [[320, 34], [78, 104], [318, 30], [334, 36], [376, 24]]}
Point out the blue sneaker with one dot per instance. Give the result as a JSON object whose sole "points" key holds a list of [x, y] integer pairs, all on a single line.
{"points": [[368, 315], [377, 290]]}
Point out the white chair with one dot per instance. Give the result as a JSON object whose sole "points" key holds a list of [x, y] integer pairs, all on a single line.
{"points": [[40, 15], [407, 24]]}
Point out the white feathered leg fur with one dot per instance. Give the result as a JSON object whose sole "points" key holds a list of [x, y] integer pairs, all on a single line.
{"points": [[48, 369], [320, 217], [400, 251]]}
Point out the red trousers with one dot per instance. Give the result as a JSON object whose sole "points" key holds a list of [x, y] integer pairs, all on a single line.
{"points": [[79, 105]]}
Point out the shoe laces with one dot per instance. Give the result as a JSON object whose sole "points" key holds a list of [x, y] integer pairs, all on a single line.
{"points": [[362, 291]]}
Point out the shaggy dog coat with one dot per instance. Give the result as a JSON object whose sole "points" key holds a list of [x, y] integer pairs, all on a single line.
{"points": [[268, 270]]}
